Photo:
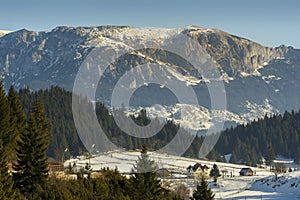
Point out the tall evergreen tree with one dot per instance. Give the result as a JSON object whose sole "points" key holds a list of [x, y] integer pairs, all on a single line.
{"points": [[270, 155], [202, 192], [215, 172], [144, 163], [144, 182], [233, 158], [17, 120], [5, 126], [6, 184], [31, 166]]}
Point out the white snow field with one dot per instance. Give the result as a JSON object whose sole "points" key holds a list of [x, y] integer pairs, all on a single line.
{"points": [[260, 186]]}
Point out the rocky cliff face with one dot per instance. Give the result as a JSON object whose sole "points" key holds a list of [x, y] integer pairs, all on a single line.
{"points": [[60, 51], [236, 55], [256, 77]]}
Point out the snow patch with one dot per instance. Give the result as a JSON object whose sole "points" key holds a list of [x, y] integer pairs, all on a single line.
{"points": [[287, 183], [270, 78], [194, 117], [4, 32], [255, 111]]}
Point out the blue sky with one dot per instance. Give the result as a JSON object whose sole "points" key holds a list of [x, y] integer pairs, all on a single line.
{"points": [[269, 22]]}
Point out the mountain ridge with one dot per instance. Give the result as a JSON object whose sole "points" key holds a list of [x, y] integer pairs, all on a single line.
{"points": [[253, 74], [233, 55]]}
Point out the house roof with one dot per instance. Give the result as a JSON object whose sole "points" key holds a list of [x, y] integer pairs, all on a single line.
{"points": [[196, 166], [246, 170]]}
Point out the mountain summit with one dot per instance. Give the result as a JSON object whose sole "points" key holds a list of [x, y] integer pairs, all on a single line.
{"points": [[257, 79]]}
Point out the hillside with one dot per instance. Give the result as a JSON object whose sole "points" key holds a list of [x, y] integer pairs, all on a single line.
{"points": [[58, 109], [257, 79], [260, 185], [249, 143]]}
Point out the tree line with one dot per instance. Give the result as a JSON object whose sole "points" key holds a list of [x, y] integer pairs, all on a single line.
{"points": [[247, 143], [25, 136], [263, 138], [63, 134]]}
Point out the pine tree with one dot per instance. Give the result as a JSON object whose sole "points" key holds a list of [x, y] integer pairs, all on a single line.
{"points": [[144, 182], [270, 155], [17, 120], [6, 183], [31, 166], [212, 155], [5, 126], [233, 158], [202, 192], [215, 172], [144, 163], [297, 156]]}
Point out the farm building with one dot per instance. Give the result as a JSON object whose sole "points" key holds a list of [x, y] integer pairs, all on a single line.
{"points": [[246, 172]]}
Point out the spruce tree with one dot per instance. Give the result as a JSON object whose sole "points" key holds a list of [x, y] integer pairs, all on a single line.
{"points": [[17, 120], [202, 192], [5, 126], [270, 155], [215, 173], [144, 182], [233, 158], [6, 183], [31, 167], [144, 163]]}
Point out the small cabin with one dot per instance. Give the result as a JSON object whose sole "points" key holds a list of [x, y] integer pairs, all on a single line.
{"points": [[246, 172]]}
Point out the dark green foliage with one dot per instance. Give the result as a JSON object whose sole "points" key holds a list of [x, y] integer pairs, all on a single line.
{"points": [[215, 156], [215, 172], [118, 185], [17, 120], [120, 138], [144, 182], [202, 192], [269, 155], [146, 186], [111, 185], [297, 158], [5, 125], [249, 143], [233, 158], [193, 150], [6, 184], [31, 166], [58, 110], [30, 139]]}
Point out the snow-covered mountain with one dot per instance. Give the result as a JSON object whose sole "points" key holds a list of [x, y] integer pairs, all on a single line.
{"points": [[4, 32], [258, 80]]}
